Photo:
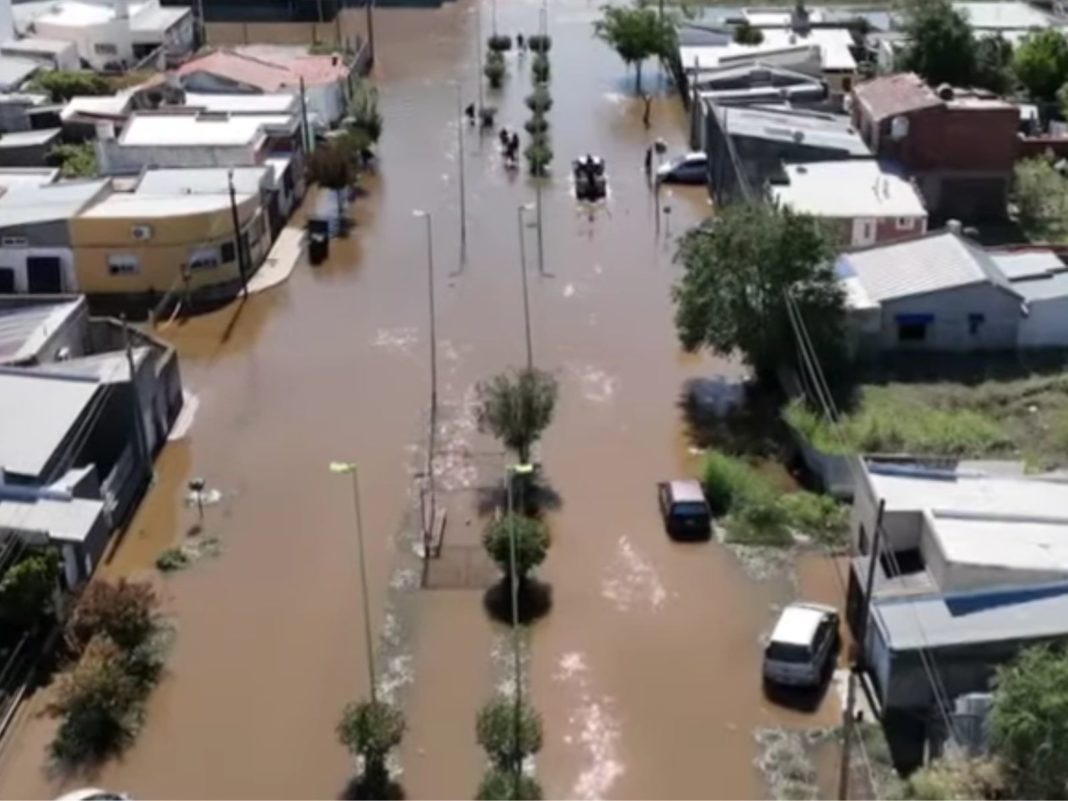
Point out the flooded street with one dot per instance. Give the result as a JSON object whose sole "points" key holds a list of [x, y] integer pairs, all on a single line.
{"points": [[647, 669]]}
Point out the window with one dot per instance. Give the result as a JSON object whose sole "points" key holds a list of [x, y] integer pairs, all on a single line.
{"points": [[911, 332], [123, 264], [204, 259], [105, 49], [905, 223], [14, 242], [975, 323], [229, 254]]}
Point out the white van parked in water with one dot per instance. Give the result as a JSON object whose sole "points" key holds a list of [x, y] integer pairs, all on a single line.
{"points": [[801, 645]]}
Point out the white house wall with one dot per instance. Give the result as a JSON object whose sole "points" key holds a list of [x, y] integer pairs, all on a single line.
{"points": [[16, 258], [1046, 324], [87, 37]]}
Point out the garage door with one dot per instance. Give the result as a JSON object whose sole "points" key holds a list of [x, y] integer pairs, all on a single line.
{"points": [[44, 274]]}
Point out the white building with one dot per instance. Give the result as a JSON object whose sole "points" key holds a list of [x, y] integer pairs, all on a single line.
{"points": [[55, 53]]}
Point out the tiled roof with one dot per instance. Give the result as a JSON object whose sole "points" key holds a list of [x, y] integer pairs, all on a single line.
{"points": [[890, 95], [268, 69]]}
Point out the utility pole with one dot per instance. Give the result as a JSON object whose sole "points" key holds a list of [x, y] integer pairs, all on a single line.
{"points": [[463, 193], [859, 658], [526, 299], [478, 52], [541, 248], [238, 249], [429, 527], [371, 31], [304, 120]]}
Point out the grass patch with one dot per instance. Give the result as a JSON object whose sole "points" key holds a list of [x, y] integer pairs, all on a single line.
{"points": [[820, 517]]}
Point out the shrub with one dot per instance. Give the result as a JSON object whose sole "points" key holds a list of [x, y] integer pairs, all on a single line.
{"points": [[27, 589], [540, 44], [98, 701], [539, 155], [730, 482], [494, 69], [371, 728], [74, 161], [819, 516], [540, 68], [760, 522], [950, 777], [531, 543], [124, 611], [499, 785], [62, 85], [539, 101], [499, 43], [363, 108], [495, 731], [537, 125], [172, 559]]}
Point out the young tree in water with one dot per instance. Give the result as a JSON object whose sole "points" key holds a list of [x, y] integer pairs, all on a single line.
{"points": [[495, 730], [531, 543], [370, 730], [500, 785], [941, 44], [516, 407], [737, 271], [635, 34], [332, 167]]}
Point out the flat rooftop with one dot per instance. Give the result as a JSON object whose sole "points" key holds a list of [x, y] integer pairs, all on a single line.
{"points": [[26, 326], [202, 180], [828, 131], [851, 188], [141, 205], [26, 204], [66, 520], [162, 130], [268, 103]]}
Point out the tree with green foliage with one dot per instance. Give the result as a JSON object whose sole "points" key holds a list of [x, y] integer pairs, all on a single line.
{"points": [[516, 407], [332, 167], [28, 588], [62, 85], [495, 730], [941, 46], [539, 68], [500, 785], [747, 34], [370, 730], [737, 270], [74, 161], [635, 33], [540, 100], [539, 155], [494, 69], [1029, 722], [363, 111], [993, 64], [126, 612], [97, 701], [1040, 195], [531, 543], [1041, 63]]}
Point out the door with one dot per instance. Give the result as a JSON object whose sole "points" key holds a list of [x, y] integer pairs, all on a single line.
{"points": [[7, 281], [44, 274], [863, 231]]}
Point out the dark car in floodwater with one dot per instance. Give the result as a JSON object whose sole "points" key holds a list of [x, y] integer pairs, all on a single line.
{"points": [[684, 510]]}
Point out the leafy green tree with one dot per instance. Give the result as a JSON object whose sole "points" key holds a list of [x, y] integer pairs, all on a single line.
{"points": [[494, 69], [531, 543], [516, 407], [1041, 63], [126, 612], [746, 34], [941, 45], [737, 271], [540, 100], [500, 785], [635, 33], [74, 161], [27, 589], [993, 64], [1029, 722], [363, 109], [332, 167], [371, 729], [62, 85], [540, 68], [495, 731], [539, 154], [96, 700], [1040, 195]]}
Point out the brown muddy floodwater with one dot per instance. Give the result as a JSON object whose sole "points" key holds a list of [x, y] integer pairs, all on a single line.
{"points": [[646, 670]]}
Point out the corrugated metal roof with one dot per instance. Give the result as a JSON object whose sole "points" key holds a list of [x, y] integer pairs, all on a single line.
{"points": [[830, 131], [929, 263], [24, 327], [25, 204], [14, 71], [1027, 263], [70, 520]]}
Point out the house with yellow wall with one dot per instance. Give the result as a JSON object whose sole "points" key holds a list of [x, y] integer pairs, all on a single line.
{"points": [[159, 239]]}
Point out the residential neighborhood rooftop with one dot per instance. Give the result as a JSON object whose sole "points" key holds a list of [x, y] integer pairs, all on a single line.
{"points": [[781, 124], [201, 180], [18, 139], [890, 95], [34, 176], [26, 325], [849, 188], [153, 130], [139, 205], [32, 45], [243, 103], [268, 67], [1004, 15], [15, 70], [929, 263], [66, 519], [25, 203]]}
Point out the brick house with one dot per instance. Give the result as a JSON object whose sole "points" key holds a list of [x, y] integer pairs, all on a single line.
{"points": [[958, 146]]}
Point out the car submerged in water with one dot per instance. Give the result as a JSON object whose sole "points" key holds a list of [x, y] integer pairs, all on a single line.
{"points": [[684, 509], [689, 169]]}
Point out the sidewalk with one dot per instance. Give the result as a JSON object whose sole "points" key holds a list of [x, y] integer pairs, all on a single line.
{"points": [[285, 253]]}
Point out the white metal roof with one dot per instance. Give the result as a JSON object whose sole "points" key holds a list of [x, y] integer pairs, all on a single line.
{"points": [[191, 129], [66, 520], [16, 139], [26, 204], [15, 70], [928, 263], [1002, 543], [32, 45], [797, 624], [158, 20], [851, 188], [267, 103], [26, 326], [33, 176], [116, 105], [1022, 264], [140, 206], [1003, 15], [201, 181], [833, 44]]}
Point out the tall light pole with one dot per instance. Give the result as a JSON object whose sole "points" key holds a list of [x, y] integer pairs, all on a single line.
{"points": [[427, 528], [513, 580], [349, 468], [463, 193], [537, 203], [239, 251], [523, 272], [478, 52]]}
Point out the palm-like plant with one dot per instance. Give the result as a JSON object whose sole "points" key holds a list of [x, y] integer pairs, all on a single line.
{"points": [[516, 407]]}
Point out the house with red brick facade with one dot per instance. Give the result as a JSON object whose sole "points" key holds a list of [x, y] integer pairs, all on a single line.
{"points": [[959, 146]]}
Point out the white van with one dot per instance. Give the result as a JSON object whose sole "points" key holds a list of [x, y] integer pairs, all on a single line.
{"points": [[801, 645]]}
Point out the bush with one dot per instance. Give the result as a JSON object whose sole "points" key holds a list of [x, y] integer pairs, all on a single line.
{"points": [[74, 161], [539, 43], [531, 543], [27, 589], [371, 728], [98, 700], [540, 68], [363, 108], [172, 559], [499, 785], [495, 731], [124, 611], [539, 155], [730, 482], [819, 516], [948, 778], [62, 85], [499, 43], [537, 125], [494, 69], [760, 522], [539, 101], [746, 34]]}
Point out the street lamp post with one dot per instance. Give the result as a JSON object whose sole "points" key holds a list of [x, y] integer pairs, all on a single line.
{"points": [[350, 468], [513, 580], [523, 275], [463, 194], [537, 202], [238, 249], [427, 528]]}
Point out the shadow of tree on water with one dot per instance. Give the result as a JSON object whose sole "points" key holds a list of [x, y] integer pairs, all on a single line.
{"points": [[535, 600]]}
